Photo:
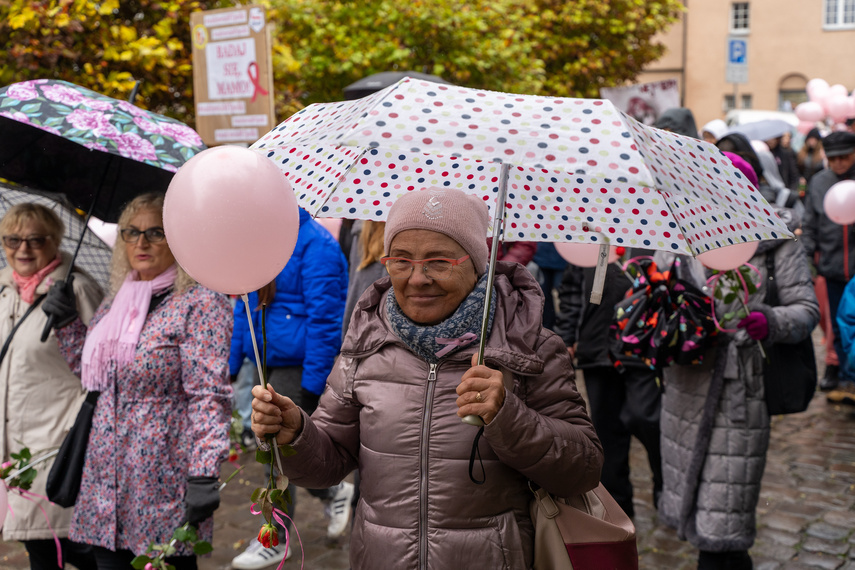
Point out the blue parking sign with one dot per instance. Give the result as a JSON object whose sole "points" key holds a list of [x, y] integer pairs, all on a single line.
{"points": [[737, 51]]}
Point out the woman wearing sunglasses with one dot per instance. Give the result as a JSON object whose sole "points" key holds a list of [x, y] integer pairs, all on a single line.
{"points": [[406, 376], [39, 381], [157, 351]]}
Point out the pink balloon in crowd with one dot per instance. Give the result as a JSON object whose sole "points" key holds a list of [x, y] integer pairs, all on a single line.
{"points": [[231, 219], [817, 89], [729, 256], [804, 127], [838, 90], [583, 254], [839, 108], [810, 111], [839, 203], [4, 503], [332, 225]]}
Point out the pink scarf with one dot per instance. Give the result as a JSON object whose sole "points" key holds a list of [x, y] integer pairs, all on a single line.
{"points": [[116, 336], [27, 285]]}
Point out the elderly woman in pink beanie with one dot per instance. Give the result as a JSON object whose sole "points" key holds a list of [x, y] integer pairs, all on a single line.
{"points": [[406, 376]]}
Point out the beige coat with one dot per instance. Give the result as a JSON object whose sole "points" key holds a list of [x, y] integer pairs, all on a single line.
{"points": [[39, 394]]}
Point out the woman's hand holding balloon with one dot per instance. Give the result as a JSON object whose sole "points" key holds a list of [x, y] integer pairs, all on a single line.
{"points": [[274, 414], [481, 392]]}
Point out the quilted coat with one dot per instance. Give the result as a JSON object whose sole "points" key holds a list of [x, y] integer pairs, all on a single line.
{"points": [[164, 419], [715, 425], [394, 416], [40, 393]]}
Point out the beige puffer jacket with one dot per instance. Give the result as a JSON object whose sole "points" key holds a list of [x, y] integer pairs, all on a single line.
{"points": [[394, 415], [39, 394]]}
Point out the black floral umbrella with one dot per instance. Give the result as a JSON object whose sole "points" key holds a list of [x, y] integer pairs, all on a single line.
{"points": [[98, 151]]}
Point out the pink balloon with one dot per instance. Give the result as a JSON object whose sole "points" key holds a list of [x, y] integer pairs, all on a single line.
{"points": [[332, 225], [839, 108], [838, 90], [583, 254], [839, 203], [812, 111], [231, 219], [729, 256], [817, 89], [804, 127]]}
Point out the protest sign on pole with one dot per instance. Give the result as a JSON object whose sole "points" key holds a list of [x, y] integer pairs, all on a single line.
{"points": [[644, 102], [232, 74]]}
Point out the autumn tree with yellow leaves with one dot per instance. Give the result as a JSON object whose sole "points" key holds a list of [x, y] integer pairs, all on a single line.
{"points": [[546, 47]]}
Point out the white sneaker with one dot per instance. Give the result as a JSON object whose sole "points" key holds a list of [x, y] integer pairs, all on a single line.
{"points": [[256, 556], [339, 509]]}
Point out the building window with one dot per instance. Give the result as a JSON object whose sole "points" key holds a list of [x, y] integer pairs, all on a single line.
{"points": [[729, 103], [739, 17], [840, 13], [746, 101]]}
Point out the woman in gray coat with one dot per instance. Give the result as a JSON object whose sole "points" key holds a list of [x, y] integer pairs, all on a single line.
{"points": [[715, 425]]}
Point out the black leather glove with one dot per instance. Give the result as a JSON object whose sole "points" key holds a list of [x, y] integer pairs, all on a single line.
{"points": [[60, 303], [309, 401], [202, 498]]}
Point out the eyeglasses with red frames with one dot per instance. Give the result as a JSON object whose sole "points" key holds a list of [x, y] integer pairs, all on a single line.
{"points": [[437, 268]]}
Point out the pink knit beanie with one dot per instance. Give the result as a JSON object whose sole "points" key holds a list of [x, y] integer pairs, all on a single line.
{"points": [[462, 217], [744, 166]]}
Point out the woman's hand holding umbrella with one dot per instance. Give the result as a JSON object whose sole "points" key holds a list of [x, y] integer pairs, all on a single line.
{"points": [[481, 392]]}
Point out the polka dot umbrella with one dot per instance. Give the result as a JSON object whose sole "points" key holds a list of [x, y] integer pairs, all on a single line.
{"points": [[578, 170], [549, 169]]}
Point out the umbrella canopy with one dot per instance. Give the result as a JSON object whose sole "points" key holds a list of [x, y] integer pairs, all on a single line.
{"points": [[578, 170], [378, 81], [764, 130], [59, 137], [94, 255]]}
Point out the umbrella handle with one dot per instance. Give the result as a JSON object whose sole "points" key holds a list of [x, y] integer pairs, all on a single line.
{"points": [[47, 329]]}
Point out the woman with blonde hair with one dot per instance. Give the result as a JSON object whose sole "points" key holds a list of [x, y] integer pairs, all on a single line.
{"points": [[157, 351], [39, 380], [365, 266]]}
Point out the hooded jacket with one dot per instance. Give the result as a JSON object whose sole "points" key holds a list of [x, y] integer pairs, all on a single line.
{"points": [[715, 424], [819, 234], [394, 416], [303, 323], [41, 394]]}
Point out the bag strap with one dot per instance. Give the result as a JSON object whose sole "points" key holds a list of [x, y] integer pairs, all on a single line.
{"points": [[771, 285], [5, 348]]}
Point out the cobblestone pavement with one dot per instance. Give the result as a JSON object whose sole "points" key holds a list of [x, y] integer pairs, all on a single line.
{"points": [[805, 518]]}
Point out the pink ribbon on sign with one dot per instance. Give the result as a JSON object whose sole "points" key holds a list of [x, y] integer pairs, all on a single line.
{"points": [[29, 497], [252, 71], [453, 343], [275, 515]]}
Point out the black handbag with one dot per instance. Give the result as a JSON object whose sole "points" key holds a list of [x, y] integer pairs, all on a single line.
{"points": [[789, 371], [63, 482]]}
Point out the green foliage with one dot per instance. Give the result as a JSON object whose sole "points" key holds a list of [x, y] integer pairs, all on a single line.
{"points": [[320, 46], [20, 460]]}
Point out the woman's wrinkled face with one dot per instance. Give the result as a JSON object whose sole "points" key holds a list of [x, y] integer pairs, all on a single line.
{"points": [[149, 259], [424, 300], [28, 258]]}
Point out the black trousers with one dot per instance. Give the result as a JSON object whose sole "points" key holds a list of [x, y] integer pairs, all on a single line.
{"points": [[732, 560], [42, 554], [624, 405]]}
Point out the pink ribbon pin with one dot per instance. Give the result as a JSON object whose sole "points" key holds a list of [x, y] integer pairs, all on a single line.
{"points": [[464, 340]]}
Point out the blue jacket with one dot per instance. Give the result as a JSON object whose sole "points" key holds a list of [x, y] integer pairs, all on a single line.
{"points": [[846, 324], [304, 321]]}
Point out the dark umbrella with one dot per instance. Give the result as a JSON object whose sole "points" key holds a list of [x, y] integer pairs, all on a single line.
{"points": [[378, 81], [98, 151]]}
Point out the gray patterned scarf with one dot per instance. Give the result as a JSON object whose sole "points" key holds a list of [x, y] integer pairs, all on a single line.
{"points": [[461, 329]]}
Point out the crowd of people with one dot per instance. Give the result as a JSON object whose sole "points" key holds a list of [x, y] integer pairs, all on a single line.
{"points": [[371, 355]]}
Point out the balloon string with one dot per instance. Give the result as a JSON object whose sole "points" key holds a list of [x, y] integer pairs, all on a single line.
{"points": [[713, 282], [30, 497]]}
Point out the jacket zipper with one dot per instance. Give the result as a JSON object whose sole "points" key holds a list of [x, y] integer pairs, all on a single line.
{"points": [[423, 461]]}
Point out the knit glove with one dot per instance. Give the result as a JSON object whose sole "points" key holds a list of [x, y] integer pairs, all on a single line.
{"points": [[756, 325], [60, 303], [202, 498]]}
